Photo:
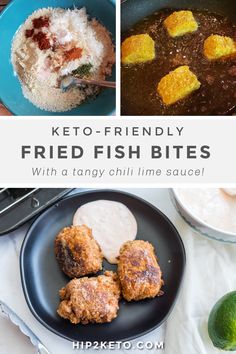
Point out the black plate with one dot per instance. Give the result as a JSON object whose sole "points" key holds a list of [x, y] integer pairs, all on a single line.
{"points": [[42, 278]]}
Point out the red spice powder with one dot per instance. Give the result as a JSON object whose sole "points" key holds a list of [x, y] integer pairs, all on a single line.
{"points": [[41, 22], [42, 40], [72, 54], [29, 33]]}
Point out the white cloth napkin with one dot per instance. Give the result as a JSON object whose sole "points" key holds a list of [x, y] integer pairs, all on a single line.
{"points": [[210, 274]]}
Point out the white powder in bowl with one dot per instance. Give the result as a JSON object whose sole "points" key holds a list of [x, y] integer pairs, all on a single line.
{"points": [[52, 43], [211, 205]]}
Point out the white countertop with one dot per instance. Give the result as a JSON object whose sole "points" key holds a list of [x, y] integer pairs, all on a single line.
{"points": [[11, 339]]}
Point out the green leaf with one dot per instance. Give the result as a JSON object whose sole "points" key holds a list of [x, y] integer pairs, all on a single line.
{"points": [[83, 70]]}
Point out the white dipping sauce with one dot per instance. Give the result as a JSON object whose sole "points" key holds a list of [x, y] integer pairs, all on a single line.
{"points": [[214, 206], [112, 224]]}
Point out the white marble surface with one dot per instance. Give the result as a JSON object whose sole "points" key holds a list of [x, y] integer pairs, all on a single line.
{"points": [[11, 339]]}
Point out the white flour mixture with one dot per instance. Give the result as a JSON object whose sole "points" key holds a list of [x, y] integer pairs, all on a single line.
{"points": [[53, 43]]}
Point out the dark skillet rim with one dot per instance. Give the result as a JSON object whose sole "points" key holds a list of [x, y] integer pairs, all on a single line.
{"points": [[34, 215], [132, 196]]}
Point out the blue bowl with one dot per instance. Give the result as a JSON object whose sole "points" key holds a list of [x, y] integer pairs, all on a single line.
{"points": [[10, 90]]}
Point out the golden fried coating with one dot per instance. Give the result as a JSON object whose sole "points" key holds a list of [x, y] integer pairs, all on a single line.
{"points": [[180, 23], [139, 273], [178, 84], [216, 47], [137, 49], [90, 300], [77, 252]]}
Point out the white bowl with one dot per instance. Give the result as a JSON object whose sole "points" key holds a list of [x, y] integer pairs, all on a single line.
{"points": [[199, 225]]}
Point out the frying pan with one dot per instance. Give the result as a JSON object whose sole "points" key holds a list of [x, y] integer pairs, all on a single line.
{"points": [[135, 10]]}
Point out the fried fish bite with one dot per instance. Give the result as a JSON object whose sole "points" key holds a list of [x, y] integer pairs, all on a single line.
{"points": [[137, 49], [90, 300], [216, 47], [178, 84], [77, 252], [180, 23], [139, 273]]}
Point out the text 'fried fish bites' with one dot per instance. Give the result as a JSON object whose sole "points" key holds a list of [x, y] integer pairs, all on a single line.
{"points": [[90, 300], [216, 47], [180, 23], [178, 84], [137, 49], [77, 252], [139, 273]]}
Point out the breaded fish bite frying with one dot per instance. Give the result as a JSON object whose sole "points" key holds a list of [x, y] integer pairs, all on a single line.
{"points": [[139, 273], [178, 84], [77, 252], [216, 47], [137, 49], [90, 300], [180, 23]]}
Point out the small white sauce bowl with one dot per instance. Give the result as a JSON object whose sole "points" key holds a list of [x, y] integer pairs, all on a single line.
{"points": [[199, 225]]}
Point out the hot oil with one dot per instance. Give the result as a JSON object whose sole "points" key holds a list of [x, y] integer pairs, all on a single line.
{"points": [[217, 94]]}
